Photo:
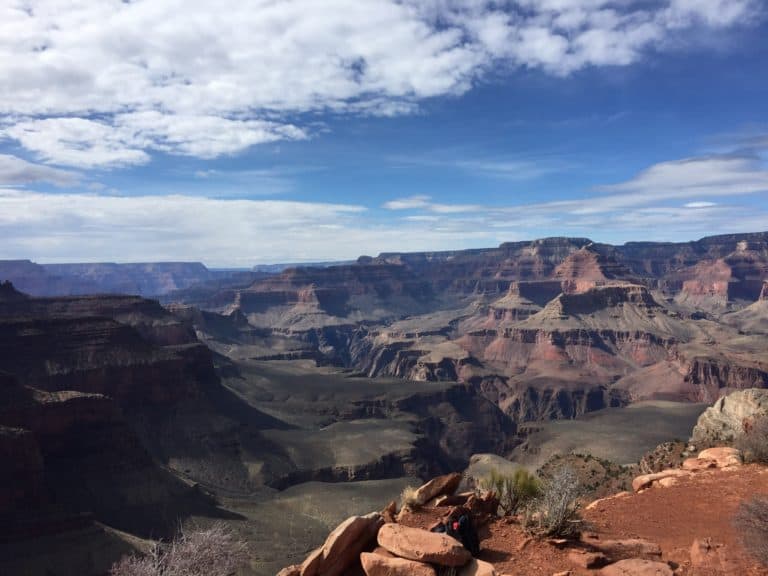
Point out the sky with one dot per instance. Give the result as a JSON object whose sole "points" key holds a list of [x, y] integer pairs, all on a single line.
{"points": [[244, 132]]}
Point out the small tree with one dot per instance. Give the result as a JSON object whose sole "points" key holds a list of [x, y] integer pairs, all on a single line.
{"points": [[210, 552], [556, 511], [514, 491], [753, 441], [751, 522]]}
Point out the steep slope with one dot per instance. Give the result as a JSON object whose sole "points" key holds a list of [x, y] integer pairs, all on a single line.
{"points": [[753, 318], [303, 298]]}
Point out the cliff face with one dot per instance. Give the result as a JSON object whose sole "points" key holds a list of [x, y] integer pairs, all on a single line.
{"points": [[124, 347], [98, 392], [547, 328], [73, 457], [604, 346], [148, 279]]}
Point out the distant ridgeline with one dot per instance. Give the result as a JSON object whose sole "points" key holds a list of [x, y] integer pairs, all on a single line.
{"points": [[146, 279]]}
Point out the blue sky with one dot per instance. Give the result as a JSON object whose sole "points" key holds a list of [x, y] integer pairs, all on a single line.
{"points": [[297, 130]]}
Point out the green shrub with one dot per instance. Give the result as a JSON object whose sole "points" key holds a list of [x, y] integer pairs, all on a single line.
{"points": [[513, 490]]}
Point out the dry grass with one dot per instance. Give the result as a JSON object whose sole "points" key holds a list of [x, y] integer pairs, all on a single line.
{"points": [[751, 521], [210, 552], [408, 498]]}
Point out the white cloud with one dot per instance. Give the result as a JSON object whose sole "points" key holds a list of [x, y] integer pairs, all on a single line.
{"points": [[90, 143], [691, 177], [106, 83], [408, 203], [14, 172], [77, 142], [668, 201], [233, 232], [647, 204]]}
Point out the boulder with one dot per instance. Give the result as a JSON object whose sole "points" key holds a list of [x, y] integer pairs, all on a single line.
{"points": [[624, 549], [311, 564], [599, 501], [449, 500], [343, 546], [485, 504], [724, 421], [422, 545], [666, 482], [587, 560], [389, 514], [637, 567], [647, 480], [477, 567], [722, 456], [697, 464], [383, 552], [440, 486], [378, 565]]}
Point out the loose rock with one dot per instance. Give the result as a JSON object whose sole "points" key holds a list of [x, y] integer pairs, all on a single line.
{"points": [[440, 486], [377, 565], [422, 545], [637, 567]]}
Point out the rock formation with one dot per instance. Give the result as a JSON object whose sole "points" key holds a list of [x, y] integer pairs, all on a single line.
{"points": [[725, 420], [545, 329]]}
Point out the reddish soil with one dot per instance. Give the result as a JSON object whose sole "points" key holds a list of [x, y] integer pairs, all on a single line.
{"points": [[697, 507]]}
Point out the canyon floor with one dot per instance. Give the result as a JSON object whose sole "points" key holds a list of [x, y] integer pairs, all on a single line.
{"points": [[284, 525]]}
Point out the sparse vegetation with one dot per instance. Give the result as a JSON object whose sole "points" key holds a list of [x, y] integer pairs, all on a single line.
{"points": [[514, 491], [751, 522], [209, 552], [556, 511], [753, 441], [408, 498]]}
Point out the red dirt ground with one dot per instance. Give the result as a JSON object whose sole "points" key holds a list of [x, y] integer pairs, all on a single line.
{"points": [[697, 507]]}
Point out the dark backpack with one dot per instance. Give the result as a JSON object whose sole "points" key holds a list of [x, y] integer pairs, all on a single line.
{"points": [[463, 530]]}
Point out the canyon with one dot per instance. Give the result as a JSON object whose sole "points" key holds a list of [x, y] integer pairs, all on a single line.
{"points": [[285, 399]]}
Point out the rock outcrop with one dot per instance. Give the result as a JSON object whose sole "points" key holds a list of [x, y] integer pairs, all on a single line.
{"points": [[341, 550], [725, 420]]}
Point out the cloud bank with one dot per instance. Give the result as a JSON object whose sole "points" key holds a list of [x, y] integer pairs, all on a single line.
{"points": [[106, 84]]}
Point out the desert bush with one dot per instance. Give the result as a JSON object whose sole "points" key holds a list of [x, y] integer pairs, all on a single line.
{"points": [[555, 512], [408, 498], [210, 552], [753, 441], [751, 523], [514, 491]]}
